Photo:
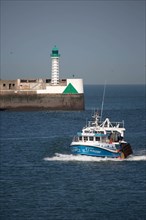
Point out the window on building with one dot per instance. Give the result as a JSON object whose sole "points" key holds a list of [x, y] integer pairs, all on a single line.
{"points": [[48, 80], [23, 81], [4, 85]]}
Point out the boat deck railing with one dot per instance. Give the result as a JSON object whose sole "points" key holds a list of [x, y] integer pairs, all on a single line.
{"points": [[118, 124], [113, 124]]}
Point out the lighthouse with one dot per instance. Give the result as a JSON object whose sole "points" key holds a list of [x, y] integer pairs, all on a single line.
{"points": [[55, 66]]}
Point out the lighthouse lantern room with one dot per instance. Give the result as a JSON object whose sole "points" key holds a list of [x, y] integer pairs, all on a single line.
{"points": [[55, 66]]}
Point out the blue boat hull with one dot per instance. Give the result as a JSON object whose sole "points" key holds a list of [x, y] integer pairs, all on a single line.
{"points": [[93, 151]]}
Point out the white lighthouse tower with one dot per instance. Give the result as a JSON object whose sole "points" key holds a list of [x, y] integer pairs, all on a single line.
{"points": [[55, 66]]}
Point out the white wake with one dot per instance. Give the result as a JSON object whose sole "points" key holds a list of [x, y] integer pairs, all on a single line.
{"points": [[70, 157]]}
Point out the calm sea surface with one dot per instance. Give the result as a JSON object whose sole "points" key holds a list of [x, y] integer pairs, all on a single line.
{"points": [[41, 180]]}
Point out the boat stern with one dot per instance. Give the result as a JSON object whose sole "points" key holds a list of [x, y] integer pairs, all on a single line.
{"points": [[126, 150]]}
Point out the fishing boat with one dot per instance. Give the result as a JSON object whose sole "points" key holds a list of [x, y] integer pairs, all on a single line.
{"points": [[101, 139]]}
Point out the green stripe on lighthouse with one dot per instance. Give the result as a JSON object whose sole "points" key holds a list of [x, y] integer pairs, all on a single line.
{"points": [[70, 89]]}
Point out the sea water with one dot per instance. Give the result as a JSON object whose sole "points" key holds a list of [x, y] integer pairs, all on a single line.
{"points": [[41, 179]]}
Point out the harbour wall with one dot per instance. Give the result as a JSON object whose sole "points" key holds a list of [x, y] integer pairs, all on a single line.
{"points": [[39, 94], [30, 100]]}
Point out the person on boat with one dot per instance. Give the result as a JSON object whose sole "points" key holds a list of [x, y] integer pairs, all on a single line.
{"points": [[110, 137], [120, 138]]}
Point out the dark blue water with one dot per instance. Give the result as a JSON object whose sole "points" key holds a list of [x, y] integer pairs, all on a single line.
{"points": [[40, 179]]}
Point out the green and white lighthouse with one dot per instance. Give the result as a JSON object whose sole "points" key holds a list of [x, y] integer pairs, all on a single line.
{"points": [[55, 66]]}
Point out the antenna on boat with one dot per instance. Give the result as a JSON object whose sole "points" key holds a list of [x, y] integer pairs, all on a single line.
{"points": [[103, 100]]}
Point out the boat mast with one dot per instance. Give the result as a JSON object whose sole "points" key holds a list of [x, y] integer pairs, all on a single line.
{"points": [[102, 101]]}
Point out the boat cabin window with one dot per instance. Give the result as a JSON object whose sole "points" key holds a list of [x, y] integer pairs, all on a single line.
{"points": [[80, 138], [90, 138], [97, 138], [85, 138]]}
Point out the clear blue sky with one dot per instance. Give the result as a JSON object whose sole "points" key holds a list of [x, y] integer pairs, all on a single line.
{"points": [[97, 40]]}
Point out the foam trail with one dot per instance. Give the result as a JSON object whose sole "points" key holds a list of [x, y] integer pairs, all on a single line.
{"points": [[136, 158], [70, 157]]}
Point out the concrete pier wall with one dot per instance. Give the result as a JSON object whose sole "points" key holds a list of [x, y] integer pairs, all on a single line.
{"points": [[35, 94], [30, 100]]}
